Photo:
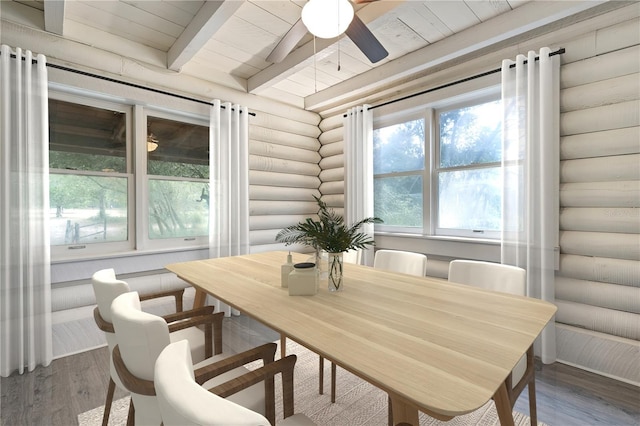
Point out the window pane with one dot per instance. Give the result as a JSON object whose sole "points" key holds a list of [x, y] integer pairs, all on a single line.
{"points": [[86, 138], [470, 199], [471, 135], [399, 148], [178, 209], [87, 209], [177, 149], [398, 200]]}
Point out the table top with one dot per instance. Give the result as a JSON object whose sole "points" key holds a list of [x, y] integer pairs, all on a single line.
{"points": [[442, 347]]}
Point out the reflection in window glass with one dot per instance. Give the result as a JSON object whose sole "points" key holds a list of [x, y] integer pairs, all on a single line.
{"points": [[177, 149], [87, 209], [398, 200], [399, 148], [178, 209], [470, 199], [471, 135], [86, 138]]}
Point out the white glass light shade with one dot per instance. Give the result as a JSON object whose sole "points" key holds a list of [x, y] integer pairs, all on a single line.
{"points": [[152, 142], [327, 18]]}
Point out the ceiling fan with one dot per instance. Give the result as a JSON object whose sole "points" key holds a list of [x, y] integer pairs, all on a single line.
{"points": [[343, 16]]}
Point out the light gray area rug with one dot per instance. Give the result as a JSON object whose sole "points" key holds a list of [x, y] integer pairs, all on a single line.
{"points": [[357, 402]]}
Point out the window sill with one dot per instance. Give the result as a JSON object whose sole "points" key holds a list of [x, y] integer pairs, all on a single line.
{"points": [[124, 262], [121, 254], [468, 240], [441, 247]]}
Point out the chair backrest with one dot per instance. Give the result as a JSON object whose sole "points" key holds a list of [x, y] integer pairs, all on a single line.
{"points": [[107, 287], [183, 402], [405, 262], [352, 256], [141, 337], [490, 276]]}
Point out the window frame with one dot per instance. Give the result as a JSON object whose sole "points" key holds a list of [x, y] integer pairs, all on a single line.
{"points": [[456, 232], [138, 241], [400, 118], [430, 110], [76, 250], [142, 203]]}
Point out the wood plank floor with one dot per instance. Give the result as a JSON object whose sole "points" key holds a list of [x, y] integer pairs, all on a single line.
{"points": [[56, 394]]}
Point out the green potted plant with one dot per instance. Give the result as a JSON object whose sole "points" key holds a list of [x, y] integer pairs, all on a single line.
{"points": [[330, 234]]}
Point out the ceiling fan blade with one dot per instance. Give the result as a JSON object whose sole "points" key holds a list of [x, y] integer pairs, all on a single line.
{"points": [[366, 41], [288, 42]]}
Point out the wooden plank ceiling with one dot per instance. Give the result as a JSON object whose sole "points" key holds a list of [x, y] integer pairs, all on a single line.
{"points": [[228, 41]]}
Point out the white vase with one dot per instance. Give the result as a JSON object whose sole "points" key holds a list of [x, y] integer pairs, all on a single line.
{"points": [[335, 272]]}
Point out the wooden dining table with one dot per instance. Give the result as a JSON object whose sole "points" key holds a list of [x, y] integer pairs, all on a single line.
{"points": [[434, 346]]}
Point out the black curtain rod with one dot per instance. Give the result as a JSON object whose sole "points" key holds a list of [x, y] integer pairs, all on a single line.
{"points": [[137, 86], [453, 83]]}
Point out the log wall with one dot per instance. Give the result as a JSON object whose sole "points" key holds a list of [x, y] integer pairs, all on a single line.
{"points": [[284, 169], [598, 281]]}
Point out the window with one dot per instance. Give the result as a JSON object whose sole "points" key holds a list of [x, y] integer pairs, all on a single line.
{"points": [[125, 177], [468, 169], [440, 173], [399, 167], [90, 176], [178, 180]]}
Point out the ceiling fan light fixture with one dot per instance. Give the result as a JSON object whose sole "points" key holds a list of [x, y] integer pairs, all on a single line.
{"points": [[327, 18], [152, 142]]}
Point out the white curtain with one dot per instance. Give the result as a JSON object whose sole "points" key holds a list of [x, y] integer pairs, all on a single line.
{"points": [[228, 184], [25, 283], [358, 173], [530, 96]]}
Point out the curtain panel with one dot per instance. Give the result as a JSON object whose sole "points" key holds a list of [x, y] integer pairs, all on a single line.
{"points": [[530, 146], [228, 184], [358, 174], [25, 281]]}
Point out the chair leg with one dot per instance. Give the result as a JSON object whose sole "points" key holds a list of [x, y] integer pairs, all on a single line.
{"points": [[533, 414], [107, 405], [131, 417], [321, 376], [333, 382]]}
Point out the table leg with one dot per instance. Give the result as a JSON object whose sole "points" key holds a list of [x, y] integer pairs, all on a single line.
{"points": [[199, 299], [403, 413], [503, 406], [283, 346]]}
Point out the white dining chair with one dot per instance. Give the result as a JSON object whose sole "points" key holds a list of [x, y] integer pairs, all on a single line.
{"points": [[107, 287], [352, 256], [142, 336], [404, 262], [184, 402], [506, 279]]}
